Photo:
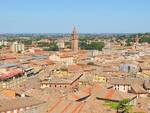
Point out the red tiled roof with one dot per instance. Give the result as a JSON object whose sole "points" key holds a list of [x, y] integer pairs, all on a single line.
{"points": [[74, 68], [55, 105], [66, 107], [5, 57], [11, 74], [109, 94], [80, 109], [77, 107], [38, 51]]}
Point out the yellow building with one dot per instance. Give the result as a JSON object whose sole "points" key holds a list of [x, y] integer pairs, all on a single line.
{"points": [[99, 78]]}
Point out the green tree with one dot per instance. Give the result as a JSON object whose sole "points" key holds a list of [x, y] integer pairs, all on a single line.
{"points": [[68, 44], [27, 42], [120, 107], [2, 46], [44, 44], [83, 38], [144, 39], [97, 45], [123, 106], [52, 47], [92, 46], [129, 41]]}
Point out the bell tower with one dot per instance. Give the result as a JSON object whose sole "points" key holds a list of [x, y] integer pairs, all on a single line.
{"points": [[74, 38]]}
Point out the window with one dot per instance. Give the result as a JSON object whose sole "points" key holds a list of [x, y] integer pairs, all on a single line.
{"points": [[124, 87], [129, 68]]}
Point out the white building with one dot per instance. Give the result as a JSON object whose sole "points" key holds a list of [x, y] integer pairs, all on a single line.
{"points": [[61, 44], [64, 59], [17, 47], [3, 43]]}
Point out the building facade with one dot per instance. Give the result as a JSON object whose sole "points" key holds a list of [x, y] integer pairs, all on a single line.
{"points": [[61, 44], [17, 47]]}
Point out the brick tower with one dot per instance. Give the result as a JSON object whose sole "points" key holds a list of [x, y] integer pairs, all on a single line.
{"points": [[136, 39], [74, 38]]}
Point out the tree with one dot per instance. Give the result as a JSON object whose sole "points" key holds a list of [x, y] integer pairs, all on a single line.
{"points": [[129, 41], [123, 106], [92, 46], [43, 44], [27, 42], [2, 46], [68, 44], [144, 39], [52, 47], [120, 107], [82, 38]]}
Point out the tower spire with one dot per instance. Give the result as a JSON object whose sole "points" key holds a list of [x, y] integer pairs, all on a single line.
{"points": [[74, 30]]}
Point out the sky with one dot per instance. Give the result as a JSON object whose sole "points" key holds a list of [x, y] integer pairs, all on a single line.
{"points": [[89, 16]]}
